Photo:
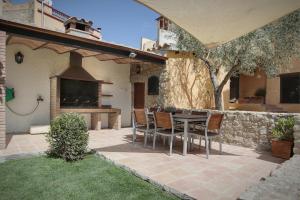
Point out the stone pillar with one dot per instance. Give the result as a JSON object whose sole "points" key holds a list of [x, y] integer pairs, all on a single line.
{"points": [[297, 135], [96, 121], [114, 120], [2, 89], [54, 97]]}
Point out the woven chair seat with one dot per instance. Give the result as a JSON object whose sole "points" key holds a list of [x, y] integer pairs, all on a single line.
{"points": [[169, 131], [201, 133], [144, 128]]}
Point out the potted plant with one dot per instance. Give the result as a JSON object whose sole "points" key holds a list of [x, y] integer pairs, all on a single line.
{"points": [[282, 137], [170, 109]]}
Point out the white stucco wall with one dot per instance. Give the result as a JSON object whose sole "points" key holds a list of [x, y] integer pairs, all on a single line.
{"points": [[31, 78]]}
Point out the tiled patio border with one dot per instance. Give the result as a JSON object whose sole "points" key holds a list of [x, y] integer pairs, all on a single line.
{"points": [[146, 178]]}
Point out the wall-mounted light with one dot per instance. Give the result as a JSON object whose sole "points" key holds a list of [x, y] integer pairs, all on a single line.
{"points": [[132, 55], [138, 69], [19, 57]]}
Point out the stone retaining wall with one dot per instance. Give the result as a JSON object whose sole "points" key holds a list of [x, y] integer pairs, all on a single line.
{"points": [[296, 149], [253, 129], [250, 129]]}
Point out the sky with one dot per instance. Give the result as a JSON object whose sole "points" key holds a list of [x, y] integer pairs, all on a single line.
{"points": [[122, 21]]}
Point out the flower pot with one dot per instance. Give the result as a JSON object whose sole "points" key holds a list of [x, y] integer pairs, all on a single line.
{"points": [[282, 148]]}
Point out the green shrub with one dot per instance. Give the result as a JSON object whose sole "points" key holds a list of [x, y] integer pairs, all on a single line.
{"points": [[284, 129], [68, 137], [170, 109]]}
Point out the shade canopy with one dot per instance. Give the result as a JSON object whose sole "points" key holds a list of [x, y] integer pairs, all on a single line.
{"points": [[218, 21]]}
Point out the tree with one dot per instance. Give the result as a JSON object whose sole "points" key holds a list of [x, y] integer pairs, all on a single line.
{"points": [[270, 48]]}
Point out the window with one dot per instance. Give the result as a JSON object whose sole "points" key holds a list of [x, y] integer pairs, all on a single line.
{"points": [[153, 85], [234, 88], [164, 23], [80, 26], [290, 88]]}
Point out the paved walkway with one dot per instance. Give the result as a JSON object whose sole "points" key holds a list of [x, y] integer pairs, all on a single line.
{"points": [[223, 176]]}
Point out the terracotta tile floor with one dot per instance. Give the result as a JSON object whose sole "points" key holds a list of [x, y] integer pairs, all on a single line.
{"points": [[219, 177]]}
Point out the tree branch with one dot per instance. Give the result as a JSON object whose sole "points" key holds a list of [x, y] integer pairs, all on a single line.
{"points": [[228, 75]]}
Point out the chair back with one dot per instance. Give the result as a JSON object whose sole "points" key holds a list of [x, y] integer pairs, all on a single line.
{"points": [[215, 121], [163, 120], [140, 117]]}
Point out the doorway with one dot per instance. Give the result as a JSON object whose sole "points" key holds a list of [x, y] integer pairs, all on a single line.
{"points": [[139, 95]]}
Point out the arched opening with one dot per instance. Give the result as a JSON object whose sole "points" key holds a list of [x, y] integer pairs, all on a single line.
{"points": [[153, 85]]}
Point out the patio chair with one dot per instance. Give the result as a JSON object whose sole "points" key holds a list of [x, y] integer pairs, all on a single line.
{"points": [[212, 130], [142, 123], [163, 123], [197, 125]]}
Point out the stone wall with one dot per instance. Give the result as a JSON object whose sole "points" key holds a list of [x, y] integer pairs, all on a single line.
{"points": [[251, 129], [296, 149], [183, 82], [2, 89], [22, 13]]}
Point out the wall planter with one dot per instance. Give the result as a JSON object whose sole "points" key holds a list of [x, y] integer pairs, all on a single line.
{"points": [[282, 149]]}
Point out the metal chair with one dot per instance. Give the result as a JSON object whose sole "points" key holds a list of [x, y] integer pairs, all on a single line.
{"points": [[141, 123], [212, 130], [163, 123]]}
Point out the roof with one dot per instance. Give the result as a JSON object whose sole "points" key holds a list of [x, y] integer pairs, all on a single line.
{"points": [[219, 21], [62, 43]]}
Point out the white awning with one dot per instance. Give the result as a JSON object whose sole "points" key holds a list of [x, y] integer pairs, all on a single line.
{"points": [[218, 21]]}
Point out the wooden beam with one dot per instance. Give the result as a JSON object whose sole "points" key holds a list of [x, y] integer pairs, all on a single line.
{"points": [[8, 39], [41, 46], [108, 59], [68, 51], [93, 55]]}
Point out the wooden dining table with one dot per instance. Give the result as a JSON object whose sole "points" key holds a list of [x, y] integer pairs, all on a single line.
{"points": [[186, 119]]}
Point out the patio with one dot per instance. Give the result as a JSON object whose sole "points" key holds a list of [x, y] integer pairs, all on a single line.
{"points": [[219, 177]]}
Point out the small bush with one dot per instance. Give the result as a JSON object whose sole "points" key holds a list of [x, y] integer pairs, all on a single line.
{"points": [[68, 137], [170, 109], [284, 129]]}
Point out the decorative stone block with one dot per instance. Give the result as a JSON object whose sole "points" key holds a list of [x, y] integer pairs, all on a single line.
{"points": [[114, 120], [96, 121]]}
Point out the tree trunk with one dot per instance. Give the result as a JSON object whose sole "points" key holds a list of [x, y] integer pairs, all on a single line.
{"points": [[218, 100]]}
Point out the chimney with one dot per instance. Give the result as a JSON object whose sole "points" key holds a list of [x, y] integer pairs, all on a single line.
{"points": [[75, 70]]}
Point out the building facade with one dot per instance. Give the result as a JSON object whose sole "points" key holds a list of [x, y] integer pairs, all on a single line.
{"points": [[185, 83], [40, 51]]}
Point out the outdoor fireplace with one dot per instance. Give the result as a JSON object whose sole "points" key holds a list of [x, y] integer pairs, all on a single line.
{"points": [[78, 94], [77, 88]]}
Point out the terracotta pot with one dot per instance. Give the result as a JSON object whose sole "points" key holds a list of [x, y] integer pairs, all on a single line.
{"points": [[282, 148]]}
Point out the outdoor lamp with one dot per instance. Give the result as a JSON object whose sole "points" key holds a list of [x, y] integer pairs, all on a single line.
{"points": [[19, 57], [138, 69]]}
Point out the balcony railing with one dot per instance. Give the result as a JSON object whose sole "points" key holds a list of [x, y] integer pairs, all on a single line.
{"points": [[56, 13], [62, 16]]}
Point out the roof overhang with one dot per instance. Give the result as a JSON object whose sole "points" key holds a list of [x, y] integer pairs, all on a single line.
{"points": [[215, 22], [37, 38]]}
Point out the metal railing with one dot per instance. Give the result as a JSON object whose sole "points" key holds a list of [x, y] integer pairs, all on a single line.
{"points": [[56, 13]]}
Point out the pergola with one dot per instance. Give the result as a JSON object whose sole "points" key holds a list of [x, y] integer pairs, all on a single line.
{"points": [[215, 22]]}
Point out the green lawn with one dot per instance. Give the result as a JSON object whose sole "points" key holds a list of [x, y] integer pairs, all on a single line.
{"points": [[90, 178]]}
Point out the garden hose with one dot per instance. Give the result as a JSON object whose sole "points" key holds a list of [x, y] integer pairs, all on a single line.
{"points": [[23, 114]]}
